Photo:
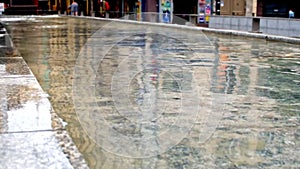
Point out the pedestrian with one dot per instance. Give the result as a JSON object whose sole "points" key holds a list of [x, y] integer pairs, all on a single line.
{"points": [[74, 8], [104, 8], [291, 14]]}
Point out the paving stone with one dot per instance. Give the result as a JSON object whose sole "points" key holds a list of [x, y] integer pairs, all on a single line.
{"points": [[25, 150]]}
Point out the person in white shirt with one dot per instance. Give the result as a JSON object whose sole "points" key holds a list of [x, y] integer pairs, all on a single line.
{"points": [[291, 14]]}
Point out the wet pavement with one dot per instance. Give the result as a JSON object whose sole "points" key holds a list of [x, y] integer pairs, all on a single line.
{"points": [[31, 134], [136, 96]]}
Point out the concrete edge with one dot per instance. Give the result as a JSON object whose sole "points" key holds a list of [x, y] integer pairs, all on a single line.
{"points": [[195, 28], [64, 140]]}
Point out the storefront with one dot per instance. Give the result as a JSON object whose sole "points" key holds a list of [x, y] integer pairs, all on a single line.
{"points": [[277, 8], [117, 8], [204, 11], [230, 7], [184, 8]]}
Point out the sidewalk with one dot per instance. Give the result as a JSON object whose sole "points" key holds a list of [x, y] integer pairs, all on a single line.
{"points": [[31, 134]]}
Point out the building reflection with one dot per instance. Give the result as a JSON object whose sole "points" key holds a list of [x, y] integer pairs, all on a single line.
{"points": [[61, 52], [224, 76]]}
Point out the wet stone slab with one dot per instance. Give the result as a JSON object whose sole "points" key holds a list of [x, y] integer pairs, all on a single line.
{"points": [[31, 150], [29, 116], [31, 134], [13, 66], [24, 107]]}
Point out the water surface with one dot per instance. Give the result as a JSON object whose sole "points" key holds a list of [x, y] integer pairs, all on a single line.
{"points": [[248, 91]]}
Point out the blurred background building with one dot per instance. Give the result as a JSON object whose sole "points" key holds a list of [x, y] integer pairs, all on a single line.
{"points": [[184, 9]]}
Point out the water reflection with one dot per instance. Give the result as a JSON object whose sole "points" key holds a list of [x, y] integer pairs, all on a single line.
{"points": [[259, 79], [224, 75]]}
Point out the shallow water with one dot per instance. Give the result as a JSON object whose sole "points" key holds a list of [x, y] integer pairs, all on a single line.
{"points": [[152, 97]]}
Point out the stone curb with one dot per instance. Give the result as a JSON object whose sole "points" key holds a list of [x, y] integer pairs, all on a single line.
{"points": [[211, 30]]}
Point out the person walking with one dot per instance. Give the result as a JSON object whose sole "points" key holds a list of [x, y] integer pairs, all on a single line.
{"points": [[104, 8], [74, 8], [291, 14]]}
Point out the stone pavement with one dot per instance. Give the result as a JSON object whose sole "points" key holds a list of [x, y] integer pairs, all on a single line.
{"points": [[31, 134]]}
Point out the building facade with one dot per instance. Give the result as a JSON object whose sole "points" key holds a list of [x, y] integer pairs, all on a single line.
{"points": [[263, 8], [120, 8], [277, 8]]}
